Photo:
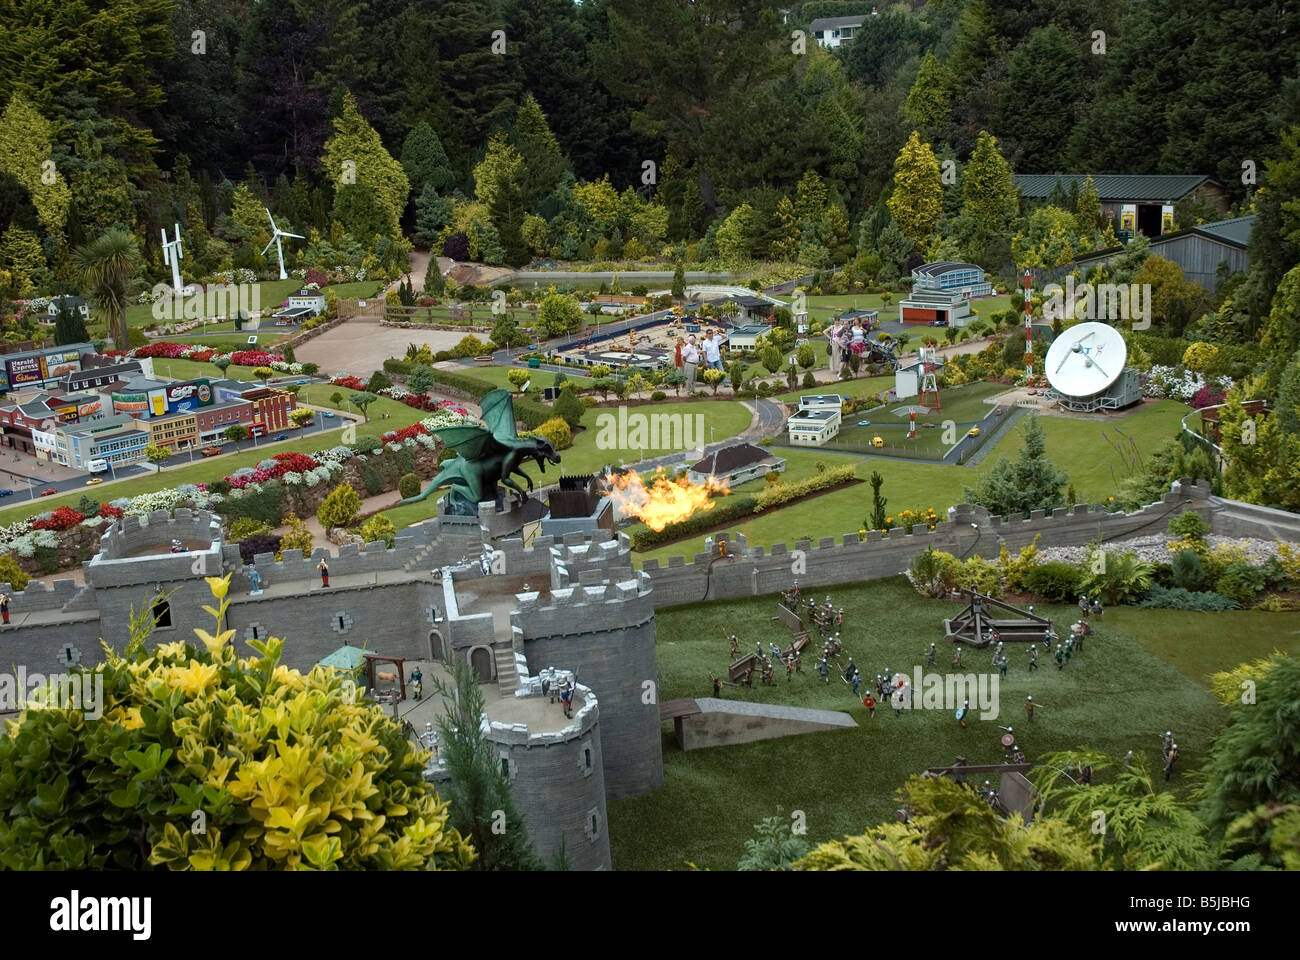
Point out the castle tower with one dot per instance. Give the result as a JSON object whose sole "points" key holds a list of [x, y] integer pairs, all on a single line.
{"points": [[600, 623]]}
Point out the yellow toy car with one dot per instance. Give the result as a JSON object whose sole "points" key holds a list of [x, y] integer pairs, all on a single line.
{"points": [[94, 480], [974, 432], [876, 441]]}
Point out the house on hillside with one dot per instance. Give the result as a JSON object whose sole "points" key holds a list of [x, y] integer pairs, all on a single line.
{"points": [[832, 32], [1133, 201]]}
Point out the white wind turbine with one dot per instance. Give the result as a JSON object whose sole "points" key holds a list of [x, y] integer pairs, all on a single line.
{"points": [[172, 256], [276, 234]]}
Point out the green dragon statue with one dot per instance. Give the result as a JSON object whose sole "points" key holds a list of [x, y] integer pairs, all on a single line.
{"points": [[487, 457]]}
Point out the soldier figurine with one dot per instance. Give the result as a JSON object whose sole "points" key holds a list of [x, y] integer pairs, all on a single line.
{"points": [[798, 662], [1033, 656], [1002, 665], [824, 669], [789, 668], [930, 655], [735, 646], [776, 652], [961, 714], [857, 679], [956, 657], [1170, 757], [1096, 609], [1084, 606], [1029, 708], [717, 685], [5, 600], [870, 703], [324, 569], [1069, 648], [758, 648], [767, 671], [997, 653], [1060, 657], [1166, 742], [1128, 760], [849, 671]]}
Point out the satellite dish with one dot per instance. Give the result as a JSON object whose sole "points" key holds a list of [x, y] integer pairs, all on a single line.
{"points": [[1086, 359]]}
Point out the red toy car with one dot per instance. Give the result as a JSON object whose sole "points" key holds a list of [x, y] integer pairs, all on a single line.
{"points": [[49, 491]]}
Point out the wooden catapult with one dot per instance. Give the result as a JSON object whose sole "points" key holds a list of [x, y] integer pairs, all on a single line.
{"points": [[984, 616]]}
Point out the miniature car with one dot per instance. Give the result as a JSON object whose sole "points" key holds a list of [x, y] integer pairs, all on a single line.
{"points": [[94, 480], [210, 451], [974, 432], [282, 436], [49, 491], [877, 441], [6, 493], [329, 414], [938, 323], [864, 423]]}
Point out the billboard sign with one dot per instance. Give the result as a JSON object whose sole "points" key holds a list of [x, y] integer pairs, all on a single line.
{"points": [[189, 395], [68, 413], [134, 404], [54, 365], [25, 370], [157, 402]]}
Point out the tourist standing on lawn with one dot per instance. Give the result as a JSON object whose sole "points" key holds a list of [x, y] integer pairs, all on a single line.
{"points": [[836, 337], [713, 350], [690, 363]]}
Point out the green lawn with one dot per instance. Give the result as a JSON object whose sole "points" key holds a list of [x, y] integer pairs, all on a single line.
{"points": [[1084, 447], [496, 375], [964, 406], [915, 485], [825, 307], [1199, 644], [847, 388], [1115, 696]]}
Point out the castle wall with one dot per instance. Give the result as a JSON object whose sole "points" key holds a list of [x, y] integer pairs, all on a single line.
{"points": [[606, 634], [749, 571]]}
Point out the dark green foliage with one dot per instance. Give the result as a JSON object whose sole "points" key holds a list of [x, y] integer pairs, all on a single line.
{"points": [[1186, 570], [1254, 759], [87, 506], [1054, 581], [372, 478], [366, 443], [879, 518], [1189, 524], [658, 395], [1032, 482], [420, 379], [250, 547], [408, 486], [378, 381], [48, 559], [266, 506], [1241, 581], [1176, 598], [403, 460], [570, 408]]}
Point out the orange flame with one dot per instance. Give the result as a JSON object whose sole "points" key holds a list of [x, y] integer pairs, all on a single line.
{"points": [[664, 501]]}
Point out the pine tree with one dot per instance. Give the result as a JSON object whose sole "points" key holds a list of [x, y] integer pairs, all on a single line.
{"points": [[68, 324], [355, 156], [1031, 482], [917, 199], [786, 244], [930, 98], [989, 194], [478, 792], [544, 164], [500, 182], [432, 213], [425, 161], [26, 143]]}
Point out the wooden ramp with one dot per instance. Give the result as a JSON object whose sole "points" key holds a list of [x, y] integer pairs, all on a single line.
{"points": [[982, 613], [718, 723], [684, 707]]}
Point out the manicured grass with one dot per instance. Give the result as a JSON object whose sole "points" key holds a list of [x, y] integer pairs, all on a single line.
{"points": [[497, 375], [1115, 696], [848, 388], [1081, 447], [1199, 644], [845, 511], [963, 406], [825, 307]]}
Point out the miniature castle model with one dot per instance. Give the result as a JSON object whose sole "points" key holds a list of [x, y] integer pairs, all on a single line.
{"points": [[468, 590]]}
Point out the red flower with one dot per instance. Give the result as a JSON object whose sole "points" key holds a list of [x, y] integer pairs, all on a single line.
{"points": [[61, 518]]}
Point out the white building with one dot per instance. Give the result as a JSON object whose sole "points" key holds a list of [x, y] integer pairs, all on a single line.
{"points": [[812, 428], [821, 401], [832, 32]]}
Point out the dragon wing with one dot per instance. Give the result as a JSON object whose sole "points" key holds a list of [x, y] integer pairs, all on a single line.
{"points": [[470, 442], [499, 414]]}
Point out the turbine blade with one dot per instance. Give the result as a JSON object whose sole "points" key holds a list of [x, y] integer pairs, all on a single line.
{"points": [[268, 246], [271, 218], [299, 236]]}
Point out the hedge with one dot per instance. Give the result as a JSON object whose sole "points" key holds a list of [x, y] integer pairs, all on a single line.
{"points": [[724, 511], [1176, 598]]}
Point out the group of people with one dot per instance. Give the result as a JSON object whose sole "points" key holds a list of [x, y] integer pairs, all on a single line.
{"points": [[563, 690], [1169, 751], [842, 340], [689, 353]]}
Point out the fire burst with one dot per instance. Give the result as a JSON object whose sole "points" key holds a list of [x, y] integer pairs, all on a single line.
{"points": [[664, 501]]}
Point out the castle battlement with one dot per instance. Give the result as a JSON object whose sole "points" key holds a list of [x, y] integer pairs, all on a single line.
{"points": [[530, 692], [40, 596], [351, 558]]}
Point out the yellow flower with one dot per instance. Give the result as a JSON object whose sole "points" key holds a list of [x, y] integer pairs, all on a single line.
{"points": [[219, 586], [214, 644], [194, 679]]}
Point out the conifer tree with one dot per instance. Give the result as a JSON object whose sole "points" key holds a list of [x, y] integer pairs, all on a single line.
{"points": [[917, 199], [1031, 482]]}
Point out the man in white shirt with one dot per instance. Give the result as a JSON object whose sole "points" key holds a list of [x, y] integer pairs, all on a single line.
{"points": [[690, 363], [835, 336], [713, 350]]}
